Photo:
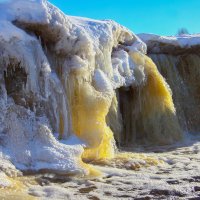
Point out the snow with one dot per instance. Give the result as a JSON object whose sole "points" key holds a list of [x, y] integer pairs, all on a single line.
{"points": [[177, 178], [17, 10], [126, 72], [182, 41], [4, 182], [101, 82], [35, 147]]}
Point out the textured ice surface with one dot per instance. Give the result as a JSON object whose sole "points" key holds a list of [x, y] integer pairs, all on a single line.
{"points": [[183, 41], [173, 45], [177, 178], [39, 47]]}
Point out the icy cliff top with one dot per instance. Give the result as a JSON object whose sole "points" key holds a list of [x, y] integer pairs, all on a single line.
{"points": [[167, 44], [90, 43]]}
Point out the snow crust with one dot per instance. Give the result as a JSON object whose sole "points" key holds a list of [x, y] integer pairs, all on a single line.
{"points": [[176, 178], [155, 42]]}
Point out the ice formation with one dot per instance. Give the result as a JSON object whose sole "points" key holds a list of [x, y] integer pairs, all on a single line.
{"points": [[171, 44], [178, 60], [68, 76], [148, 111]]}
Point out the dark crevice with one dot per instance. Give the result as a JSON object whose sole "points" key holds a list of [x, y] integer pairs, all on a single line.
{"points": [[132, 130], [15, 81], [15, 78], [47, 37], [44, 31]]}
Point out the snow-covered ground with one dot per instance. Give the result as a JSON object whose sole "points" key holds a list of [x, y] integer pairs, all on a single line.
{"points": [[178, 177]]}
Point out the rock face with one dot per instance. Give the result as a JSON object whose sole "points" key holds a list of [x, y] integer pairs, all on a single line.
{"points": [[178, 60], [61, 80]]}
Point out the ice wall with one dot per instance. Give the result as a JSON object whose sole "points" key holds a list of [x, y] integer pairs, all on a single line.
{"points": [[148, 115], [178, 60], [61, 79]]}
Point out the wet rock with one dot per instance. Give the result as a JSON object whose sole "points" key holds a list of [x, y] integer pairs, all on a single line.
{"points": [[173, 182], [196, 178], [159, 192], [87, 190], [194, 198], [143, 198], [93, 198], [108, 193], [197, 188]]}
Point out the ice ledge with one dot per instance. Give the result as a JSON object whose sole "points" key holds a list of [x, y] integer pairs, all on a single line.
{"points": [[171, 44]]}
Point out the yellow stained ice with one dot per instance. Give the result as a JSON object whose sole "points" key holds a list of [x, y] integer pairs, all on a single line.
{"points": [[130, 161], [89, 108], [156, 90], [182, 74], [17, 189], [154, 105], [146, 160]]}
